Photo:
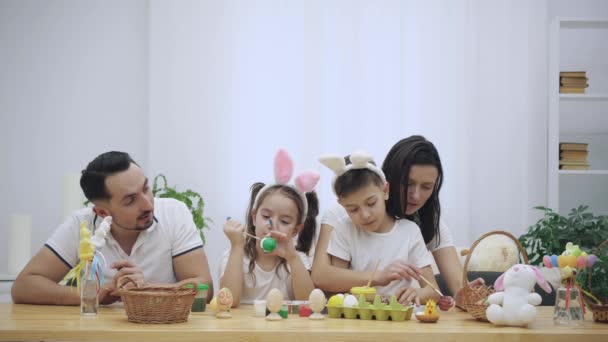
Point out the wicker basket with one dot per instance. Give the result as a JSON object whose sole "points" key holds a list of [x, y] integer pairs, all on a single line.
{"points": [[472, 298], [600, 311], [158, 304]]}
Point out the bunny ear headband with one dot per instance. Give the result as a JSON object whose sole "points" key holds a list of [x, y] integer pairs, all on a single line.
{"points": [[359, 160], [283, 170]]}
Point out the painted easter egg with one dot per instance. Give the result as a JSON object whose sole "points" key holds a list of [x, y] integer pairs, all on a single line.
{"points": [[571, 260], [268, 244], [581, 262], [561, 261], [554, 260], [316, 300], [547, 261], [336, 300], [224, 299], [591, 259], [274, 300]]}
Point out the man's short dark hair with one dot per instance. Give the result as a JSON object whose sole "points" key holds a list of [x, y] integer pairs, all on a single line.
{"points": [[93, 178]]}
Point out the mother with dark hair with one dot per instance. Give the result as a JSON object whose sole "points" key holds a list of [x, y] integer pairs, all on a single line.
{"points": [[415, 175]]}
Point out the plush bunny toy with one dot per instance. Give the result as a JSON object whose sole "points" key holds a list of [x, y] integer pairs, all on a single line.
{"points": [[517, 300]]}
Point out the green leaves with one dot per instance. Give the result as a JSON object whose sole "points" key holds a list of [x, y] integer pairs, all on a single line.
{"points": [[550, 234], [193, 200]]}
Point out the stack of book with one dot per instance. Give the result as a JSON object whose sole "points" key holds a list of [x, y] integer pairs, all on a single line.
{"points": [[573, 156], [573, 82]]}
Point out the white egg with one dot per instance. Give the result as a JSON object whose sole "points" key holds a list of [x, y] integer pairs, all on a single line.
{"points": [[350, 301], [316, 300]]}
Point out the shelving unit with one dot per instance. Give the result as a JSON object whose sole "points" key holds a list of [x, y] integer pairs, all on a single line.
{"points": [[578, 44]]}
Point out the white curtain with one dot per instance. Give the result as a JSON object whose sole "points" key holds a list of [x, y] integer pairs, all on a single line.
{"points": [[231, 81]]}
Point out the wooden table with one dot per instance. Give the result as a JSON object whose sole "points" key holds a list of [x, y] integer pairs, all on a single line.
{"points": [[45, 323]]}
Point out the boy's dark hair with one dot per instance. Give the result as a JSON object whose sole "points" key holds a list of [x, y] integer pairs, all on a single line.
{"points": [[414, 150], [305, 236], [93, 178], [355, 179]]}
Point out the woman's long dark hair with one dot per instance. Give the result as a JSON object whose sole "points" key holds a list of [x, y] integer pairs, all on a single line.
{"points": [[414, 150]]}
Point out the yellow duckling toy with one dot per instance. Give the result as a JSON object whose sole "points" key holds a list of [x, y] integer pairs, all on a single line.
{"points": [[430, 313]]}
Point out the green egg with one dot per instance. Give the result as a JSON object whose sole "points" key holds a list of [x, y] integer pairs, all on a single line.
{"points": [[268, 244]]}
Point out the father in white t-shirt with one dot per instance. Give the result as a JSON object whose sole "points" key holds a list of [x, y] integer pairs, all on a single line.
{"points": [[152, 240]]}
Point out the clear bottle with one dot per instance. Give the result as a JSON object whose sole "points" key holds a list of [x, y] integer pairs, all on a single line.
{"points": [[572, 313], [89, 303]]}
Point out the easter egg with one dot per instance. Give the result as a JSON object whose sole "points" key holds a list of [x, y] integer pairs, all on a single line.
{"points": [[316, 300], [274, 300], [591, 259], [213, 305], [224, 299], [554, 260], [350, 301], [582, 262], [561, 261], [335, 300], [268, 244], [571, 260], [547, 261]]}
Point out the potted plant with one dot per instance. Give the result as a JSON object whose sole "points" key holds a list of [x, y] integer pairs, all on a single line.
{"points": [[549, 235], [193, 200], [595, 285]]}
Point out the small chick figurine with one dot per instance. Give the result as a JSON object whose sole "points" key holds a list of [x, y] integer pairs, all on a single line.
{"points": [[317, 304], [430, 314], [224, 303], [274, 303]]}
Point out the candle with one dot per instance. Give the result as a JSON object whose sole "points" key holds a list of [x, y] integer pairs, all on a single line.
{"points": [[19, 242], [73, 198]]}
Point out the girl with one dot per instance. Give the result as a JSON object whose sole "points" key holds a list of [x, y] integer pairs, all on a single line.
{"points": [[282, 211], [370, 235], [415, 175]]}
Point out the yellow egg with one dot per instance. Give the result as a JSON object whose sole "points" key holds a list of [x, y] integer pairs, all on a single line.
{"points": [[570, 260], [213, 305], [561, 261], [335, 300]]}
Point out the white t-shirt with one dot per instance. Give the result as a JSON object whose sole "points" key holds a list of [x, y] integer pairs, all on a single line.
{"points": [[172, 234], [337, 214], [264, 280], [363, 249]]}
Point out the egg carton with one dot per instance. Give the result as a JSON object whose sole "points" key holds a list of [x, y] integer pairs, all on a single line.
{"points": [[378, 310]]}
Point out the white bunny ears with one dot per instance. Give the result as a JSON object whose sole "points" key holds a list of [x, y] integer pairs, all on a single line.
{"points": [[283, 170], [359, 160]]}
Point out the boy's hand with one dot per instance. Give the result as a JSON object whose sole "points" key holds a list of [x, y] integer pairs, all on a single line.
{"points": [[397, 270], [407, 296], [234, 230]]}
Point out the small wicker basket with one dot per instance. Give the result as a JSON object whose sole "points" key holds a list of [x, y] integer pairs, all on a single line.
{"points": [[158, 304], [600, 311], [473, 298]]}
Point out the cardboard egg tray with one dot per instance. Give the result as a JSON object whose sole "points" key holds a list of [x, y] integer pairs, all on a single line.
{"points": [[378, 310]]}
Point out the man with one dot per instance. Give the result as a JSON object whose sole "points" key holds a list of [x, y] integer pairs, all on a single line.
{"points": [[151, 240]]}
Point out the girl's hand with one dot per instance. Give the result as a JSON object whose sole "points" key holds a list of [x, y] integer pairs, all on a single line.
{"points": [[285, 246], [397, 270], [408, 295], [234, 230]]}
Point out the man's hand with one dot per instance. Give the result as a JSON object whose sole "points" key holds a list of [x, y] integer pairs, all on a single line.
{"points": [[134, 275]]}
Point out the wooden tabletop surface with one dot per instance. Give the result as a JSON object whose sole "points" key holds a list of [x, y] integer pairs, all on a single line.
{"points": [[62, 323]]}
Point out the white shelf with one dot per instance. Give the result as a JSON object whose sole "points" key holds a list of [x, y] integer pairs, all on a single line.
{"points": [[7, 277], [583, 97], [576, 23], [583, 172]]}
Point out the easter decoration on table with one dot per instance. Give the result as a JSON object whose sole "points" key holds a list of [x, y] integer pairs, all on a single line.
{"points": [[514, 302], [349, 307], [316, 301], [430, 313], [224, 303], [569, 305], [87, 275], [274, 302]]}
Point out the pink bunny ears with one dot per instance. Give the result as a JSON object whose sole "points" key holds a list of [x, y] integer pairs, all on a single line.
{"points": [[359, 160], [283, 170]]}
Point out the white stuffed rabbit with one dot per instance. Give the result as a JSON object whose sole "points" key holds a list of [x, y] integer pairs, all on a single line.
{"points": [[517, 300]]}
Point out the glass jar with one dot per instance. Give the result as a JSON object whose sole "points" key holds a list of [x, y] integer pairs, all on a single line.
{"points": [[568, 306], [200, 300], [89, 303]]}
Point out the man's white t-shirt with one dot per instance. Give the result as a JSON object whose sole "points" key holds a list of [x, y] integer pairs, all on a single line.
{"points": [[172, 234], [336, 214], [260, 282]]}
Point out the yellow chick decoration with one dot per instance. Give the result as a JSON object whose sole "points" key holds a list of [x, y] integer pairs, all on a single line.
{"points": [[86, 250], [86, 254], [430, 313]]}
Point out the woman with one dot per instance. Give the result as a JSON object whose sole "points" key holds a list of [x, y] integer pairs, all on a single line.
{"points": [[414, 173]]}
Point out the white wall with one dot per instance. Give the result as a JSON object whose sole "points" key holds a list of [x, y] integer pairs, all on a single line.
{"points": [[73, 84]]}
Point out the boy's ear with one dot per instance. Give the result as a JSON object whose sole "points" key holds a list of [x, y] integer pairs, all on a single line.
{"points": [[386, 190]]}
